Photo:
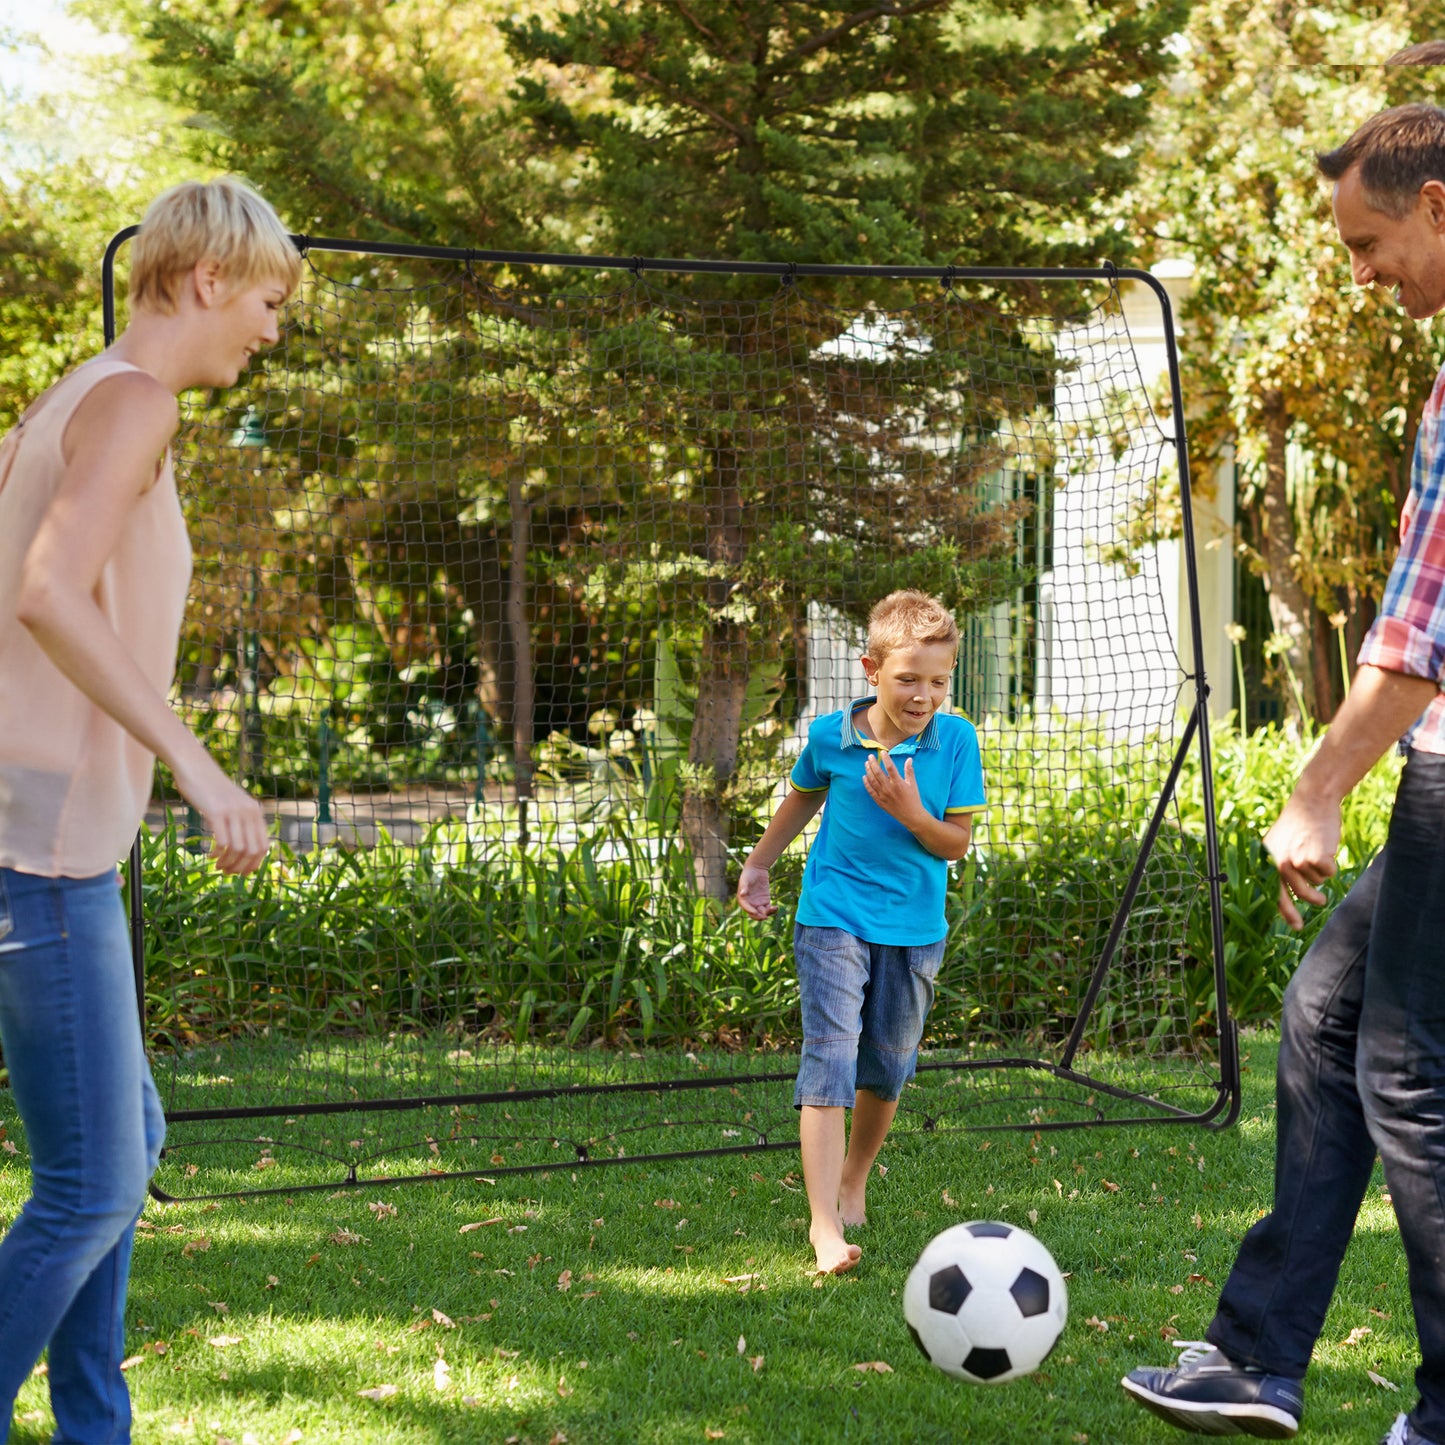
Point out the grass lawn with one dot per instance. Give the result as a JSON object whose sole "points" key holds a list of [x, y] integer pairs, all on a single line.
{"points": [[670, 1303]]}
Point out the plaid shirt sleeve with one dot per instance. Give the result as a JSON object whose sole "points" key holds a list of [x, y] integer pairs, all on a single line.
{"points": [[1408, 634]]}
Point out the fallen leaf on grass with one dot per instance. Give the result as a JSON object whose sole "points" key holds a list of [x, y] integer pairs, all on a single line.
{"points": [[221, 1341], [564, 1281], [711, 1434], [445, 1321], [1095, 1323], [882, 1367], [664, 1204], [1357, 1334], [1110, 1185], [1378, 1379], [345, 1236], [196, 1246], [441, 1375], [378, 1392], [140, 1359], [380, 1210], [563, 1388], [756, 1361], [479, 1224]]}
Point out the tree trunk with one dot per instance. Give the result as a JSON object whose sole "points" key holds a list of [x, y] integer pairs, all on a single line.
{"points": [[1325, 653], [524, 682], [1289, 608], [721, 688]]}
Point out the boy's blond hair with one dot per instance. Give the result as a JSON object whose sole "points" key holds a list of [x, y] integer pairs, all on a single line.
{"points": [[903, 619], [223, 221]]}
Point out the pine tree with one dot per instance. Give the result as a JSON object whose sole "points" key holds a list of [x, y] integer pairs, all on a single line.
{"points": [[905, 133]]}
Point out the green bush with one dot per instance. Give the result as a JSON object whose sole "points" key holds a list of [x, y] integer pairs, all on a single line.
{"points": [[603, 940]]}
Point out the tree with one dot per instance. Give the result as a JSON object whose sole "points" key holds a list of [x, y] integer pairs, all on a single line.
{"points": [[787, 132], [783, 131], [1317, 384]]}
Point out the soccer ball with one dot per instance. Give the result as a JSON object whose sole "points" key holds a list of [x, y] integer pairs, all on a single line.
{"points": [[985, 1302]]}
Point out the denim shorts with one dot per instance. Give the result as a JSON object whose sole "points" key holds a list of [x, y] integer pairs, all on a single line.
{"points": [[864, 1005]]}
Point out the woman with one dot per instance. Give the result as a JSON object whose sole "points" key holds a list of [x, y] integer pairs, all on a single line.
{"points": [[94, 568]]}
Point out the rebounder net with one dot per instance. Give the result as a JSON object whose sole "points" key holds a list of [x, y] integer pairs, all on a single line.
{"points": [[517, 588]]}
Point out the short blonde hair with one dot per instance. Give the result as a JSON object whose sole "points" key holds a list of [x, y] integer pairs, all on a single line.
{"points": [[223, 221], [903, 619]]}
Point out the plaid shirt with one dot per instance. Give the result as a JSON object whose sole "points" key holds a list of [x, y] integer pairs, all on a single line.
{"points": [[1409, 632]]}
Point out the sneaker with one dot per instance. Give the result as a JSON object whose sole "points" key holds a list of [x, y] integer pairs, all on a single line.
{"points": [[1211, 1395], [1402, 1432]]}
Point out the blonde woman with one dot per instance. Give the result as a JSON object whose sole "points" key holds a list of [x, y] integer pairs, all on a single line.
{"points": [[94, 568]]}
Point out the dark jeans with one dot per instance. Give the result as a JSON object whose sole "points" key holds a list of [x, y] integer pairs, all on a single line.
{"points": [[1361, 1070]]}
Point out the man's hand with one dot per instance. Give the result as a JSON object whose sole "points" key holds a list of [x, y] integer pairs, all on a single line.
{"points": [[896, 793], [753, 893], [1303, 844]]}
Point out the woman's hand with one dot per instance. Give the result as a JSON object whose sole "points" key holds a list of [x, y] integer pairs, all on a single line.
{"points": [[231, 815]]}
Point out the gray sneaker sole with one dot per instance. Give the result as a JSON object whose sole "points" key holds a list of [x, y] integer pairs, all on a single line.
{"points": [[1264, 1422]]}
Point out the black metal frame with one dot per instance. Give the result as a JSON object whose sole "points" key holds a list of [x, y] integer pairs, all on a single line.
{"points": [[1221, 1113]]}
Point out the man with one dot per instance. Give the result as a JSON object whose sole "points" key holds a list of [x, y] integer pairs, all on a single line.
{"points": [[1362, 1034]]}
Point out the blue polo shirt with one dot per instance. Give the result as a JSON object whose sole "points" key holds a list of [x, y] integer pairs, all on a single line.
{"points": [[866, 872]]}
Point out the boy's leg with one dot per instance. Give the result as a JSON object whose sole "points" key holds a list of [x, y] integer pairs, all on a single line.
{"points": [[820, 1131], [832, 980], [872, 1118], [900, 993]]}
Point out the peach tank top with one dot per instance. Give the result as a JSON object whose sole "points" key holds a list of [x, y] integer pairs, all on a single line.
{"points": [[73, 783]]}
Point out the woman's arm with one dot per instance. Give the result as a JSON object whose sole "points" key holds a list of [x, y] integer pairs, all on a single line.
{"points": [[112, 445], [793, 815]]}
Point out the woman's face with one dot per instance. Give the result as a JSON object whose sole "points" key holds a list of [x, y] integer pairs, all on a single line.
{"points": [[243, 321]]}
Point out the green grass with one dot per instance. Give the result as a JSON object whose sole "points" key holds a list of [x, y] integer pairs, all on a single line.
{"points": [[681, 1275]]}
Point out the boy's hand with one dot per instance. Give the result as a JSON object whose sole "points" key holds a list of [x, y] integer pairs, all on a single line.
{"points": [[896, 793], [753, 896]]}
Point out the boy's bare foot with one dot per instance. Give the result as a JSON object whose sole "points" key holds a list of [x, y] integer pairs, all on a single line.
{"points": [[834, 1254], [852, 1205]]}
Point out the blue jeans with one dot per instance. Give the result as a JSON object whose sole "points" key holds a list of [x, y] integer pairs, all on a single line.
{"points": [[1361, 1070], [864, 1005], [94, 1127]]}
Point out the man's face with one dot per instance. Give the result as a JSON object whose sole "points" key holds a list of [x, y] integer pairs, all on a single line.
{"points": [[1405, 255]]}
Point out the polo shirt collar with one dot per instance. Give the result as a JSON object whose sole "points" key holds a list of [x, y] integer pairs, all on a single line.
{"points": [[927, 739]]}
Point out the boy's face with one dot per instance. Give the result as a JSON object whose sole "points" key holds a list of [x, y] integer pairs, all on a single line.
{"points": [[912, 683]]}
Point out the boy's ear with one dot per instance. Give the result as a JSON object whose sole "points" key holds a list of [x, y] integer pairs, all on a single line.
{"points": [[870, 669]]}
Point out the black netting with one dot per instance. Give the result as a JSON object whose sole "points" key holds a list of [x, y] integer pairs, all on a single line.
{"points": [[516, 590]]}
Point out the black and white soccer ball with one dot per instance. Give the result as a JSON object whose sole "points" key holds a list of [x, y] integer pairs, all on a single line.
{"points": [[985, 1302]]}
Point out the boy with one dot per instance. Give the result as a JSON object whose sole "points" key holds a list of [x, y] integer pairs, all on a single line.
{"points": [[901, 779]]}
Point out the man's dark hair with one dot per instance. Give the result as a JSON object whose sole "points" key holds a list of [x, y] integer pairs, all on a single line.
{"points": [[1427, 52], [1397, 152]]}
